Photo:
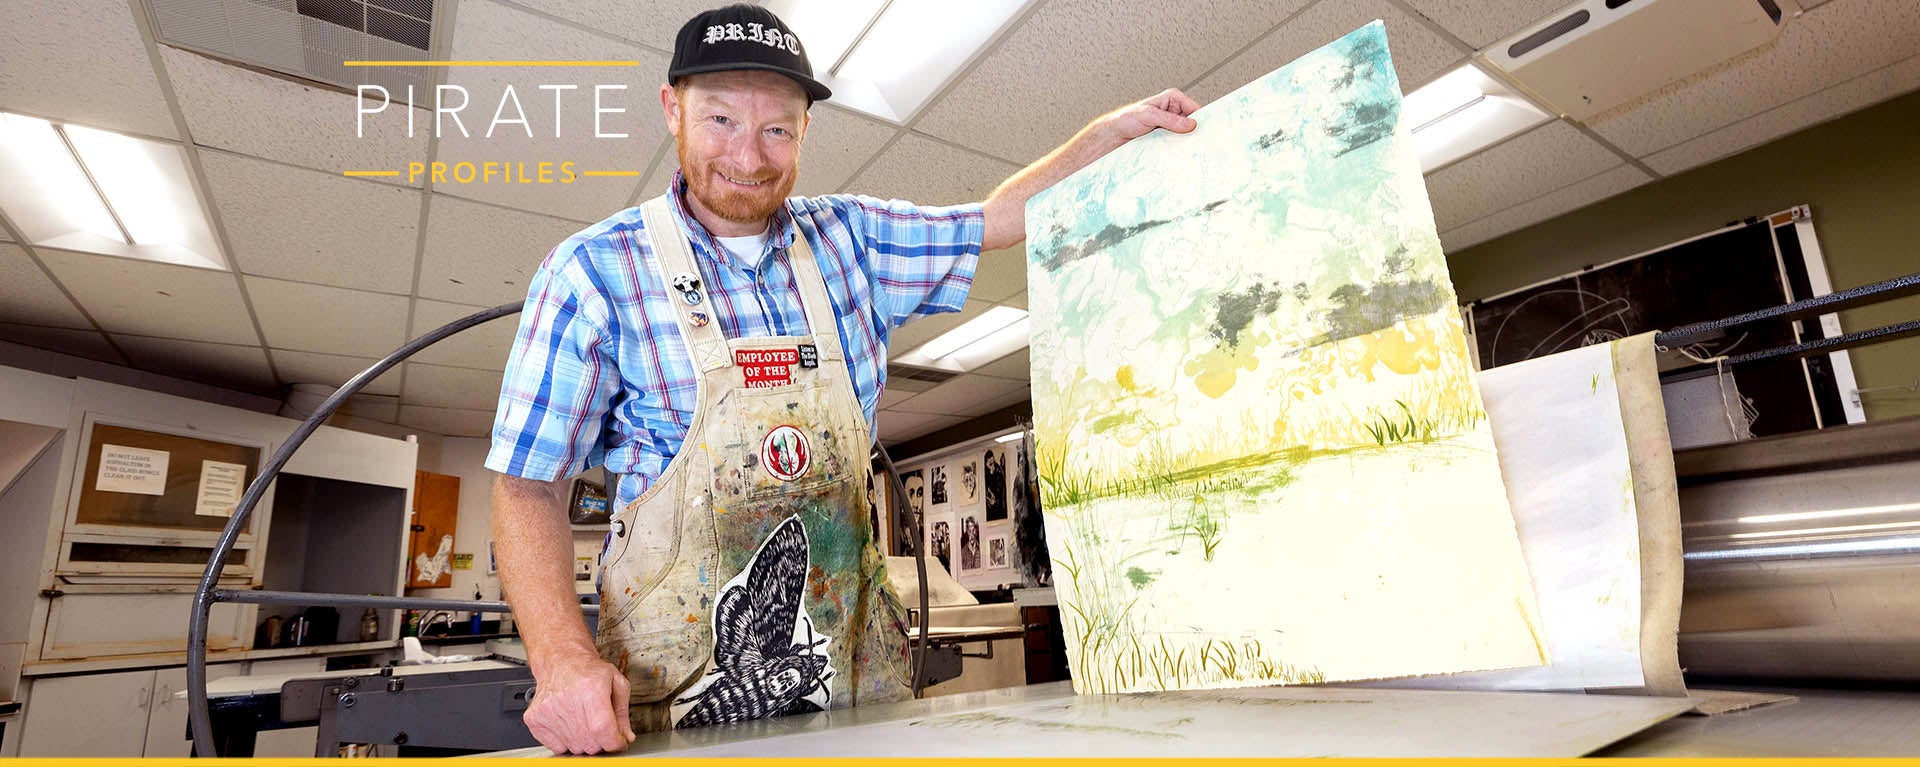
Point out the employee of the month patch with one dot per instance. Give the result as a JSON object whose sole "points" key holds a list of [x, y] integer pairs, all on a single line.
{"points": [[785, 453], [766, 368]]}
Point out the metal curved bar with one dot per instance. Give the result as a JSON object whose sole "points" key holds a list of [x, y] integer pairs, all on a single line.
{"points": [[197, 714], [896, 503]]}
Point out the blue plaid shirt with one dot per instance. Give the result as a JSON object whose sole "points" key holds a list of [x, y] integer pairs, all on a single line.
{"points": [[600, 374]]}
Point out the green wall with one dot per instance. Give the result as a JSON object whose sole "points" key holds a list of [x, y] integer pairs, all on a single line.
{"points": [[1861, 176]]}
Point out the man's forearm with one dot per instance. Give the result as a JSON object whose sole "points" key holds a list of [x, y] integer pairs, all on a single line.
{"points": [[1006, 208], [534, 546]]}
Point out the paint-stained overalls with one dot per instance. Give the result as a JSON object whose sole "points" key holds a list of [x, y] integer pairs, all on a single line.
{"points": [[743, 583]]}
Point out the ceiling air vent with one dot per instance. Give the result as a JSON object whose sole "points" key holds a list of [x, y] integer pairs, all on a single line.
{"points": [[1595, 55], [910, 378], [308, 39]]}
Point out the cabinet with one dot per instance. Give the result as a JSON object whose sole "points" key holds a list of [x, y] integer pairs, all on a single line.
{"points": [[88, 715], [122, 713], [436, 514]]}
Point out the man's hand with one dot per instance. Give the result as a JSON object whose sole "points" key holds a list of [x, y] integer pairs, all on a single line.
{"points": [[580, 706], [1168, 109], [579, 702], [1006, 208]]}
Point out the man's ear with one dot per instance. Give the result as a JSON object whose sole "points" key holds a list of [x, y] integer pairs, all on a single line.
{"points": [[670, 107]]}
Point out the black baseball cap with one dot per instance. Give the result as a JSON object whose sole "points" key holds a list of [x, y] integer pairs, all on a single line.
{"points": [[742, 36]]}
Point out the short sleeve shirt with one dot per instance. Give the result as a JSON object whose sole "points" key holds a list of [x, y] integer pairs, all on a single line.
{"points": [[600, 373]]}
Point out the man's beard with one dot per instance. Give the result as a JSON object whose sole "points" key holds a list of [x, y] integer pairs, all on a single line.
{"points": [[740, 206]]}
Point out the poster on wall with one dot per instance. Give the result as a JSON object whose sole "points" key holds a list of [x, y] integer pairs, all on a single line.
{"points": [[938, 478], [1029, 543], [940, 539], [993, 481], [1295, 407], [969, 482], [915, 486], [997, 552], [970, 542]]}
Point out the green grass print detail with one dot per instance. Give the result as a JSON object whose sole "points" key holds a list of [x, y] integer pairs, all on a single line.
{"points": [[1392, 428]]}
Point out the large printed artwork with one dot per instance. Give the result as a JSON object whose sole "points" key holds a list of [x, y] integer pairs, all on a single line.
{"points": [[1262, 455]]}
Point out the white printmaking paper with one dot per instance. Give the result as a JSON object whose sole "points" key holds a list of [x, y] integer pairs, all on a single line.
{"points": [[1563, 450]]}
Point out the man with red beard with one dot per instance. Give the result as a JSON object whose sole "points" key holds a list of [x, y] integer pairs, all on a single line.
{"points": [[721, 350]]}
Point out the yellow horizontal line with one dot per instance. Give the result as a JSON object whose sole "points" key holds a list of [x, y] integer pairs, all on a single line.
{"points": [[621, 173], [491, 63], [370, 173]]}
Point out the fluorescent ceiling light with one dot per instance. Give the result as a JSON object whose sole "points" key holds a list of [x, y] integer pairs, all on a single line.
{"points": [[1005, 438], [990, 336], [100, 192], [1463, 112], [827, 29], [65, 203], [990, 322], [887, 57]]}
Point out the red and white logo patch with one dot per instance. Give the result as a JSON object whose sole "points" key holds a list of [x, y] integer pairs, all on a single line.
{"points": [[785, 453]]}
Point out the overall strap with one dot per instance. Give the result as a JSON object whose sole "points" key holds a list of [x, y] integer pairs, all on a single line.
{"points": [[673, 255]]}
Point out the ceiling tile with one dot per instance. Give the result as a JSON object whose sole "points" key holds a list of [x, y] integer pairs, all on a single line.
{"points": [[79, 343], [1480, 22], [657, 181], [316, 318], [928, 172], [896, 426], [1017, 302], [331, 370], [28, 296], [1546, 206], [1513, 172], [235, 367], [1819, 49], [920, 330], [1073, 60], [967, 395], [487, 30], [484, 255], [1017, 366], [81, 61], [1823, 105], [241, 110], [892, 397], [149, 299], [649, 22], [317, 227], [438, 386], [838, 143], [1002, 274], [450, 422], [1419, 54], [483, 346]]}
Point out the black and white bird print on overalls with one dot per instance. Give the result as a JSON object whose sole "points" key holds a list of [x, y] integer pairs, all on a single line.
{"points": [[767, 660]]}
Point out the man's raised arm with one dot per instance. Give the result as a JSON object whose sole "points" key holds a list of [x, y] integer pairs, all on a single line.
{"points": [[1006, 208]]}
